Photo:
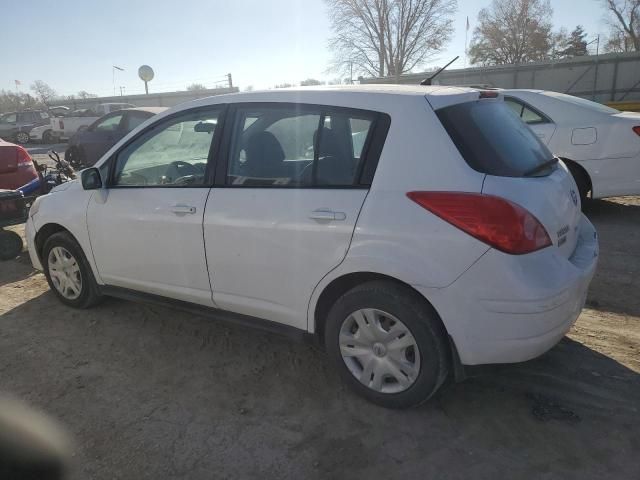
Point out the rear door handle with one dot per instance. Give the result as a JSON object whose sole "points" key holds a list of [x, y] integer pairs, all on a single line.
{"points": [[327, 215], [183, 209]]}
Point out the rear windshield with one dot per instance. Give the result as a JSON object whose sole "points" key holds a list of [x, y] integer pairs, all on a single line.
{"points": [[492, 139]]}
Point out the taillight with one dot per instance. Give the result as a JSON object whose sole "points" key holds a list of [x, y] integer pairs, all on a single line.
{"points": [[636, 130], [495, 221], [488, 94], [23, 157]]}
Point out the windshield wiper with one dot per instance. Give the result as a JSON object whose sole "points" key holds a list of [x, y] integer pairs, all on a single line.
{"points": [[540, 167]]}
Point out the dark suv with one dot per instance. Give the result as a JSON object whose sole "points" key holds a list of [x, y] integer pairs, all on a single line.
{"points": [[16, 126]]}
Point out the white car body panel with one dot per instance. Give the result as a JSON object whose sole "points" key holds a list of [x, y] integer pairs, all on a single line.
{"points": [[162, 252], [36, 133], [65, 205], [603, 143], [255, 251], [266, 254]]}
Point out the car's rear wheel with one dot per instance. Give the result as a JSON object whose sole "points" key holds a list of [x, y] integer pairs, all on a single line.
{"points": [[10, 245], [47, 137], [582, 182], [22, 138], [68, 272], [388, 344]]}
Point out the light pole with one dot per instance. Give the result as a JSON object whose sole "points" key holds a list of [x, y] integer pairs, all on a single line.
{"points": [[595, 73], [113, 77]]}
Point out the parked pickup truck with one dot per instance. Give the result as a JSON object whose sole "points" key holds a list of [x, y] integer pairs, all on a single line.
{"points": [[63, 128]]}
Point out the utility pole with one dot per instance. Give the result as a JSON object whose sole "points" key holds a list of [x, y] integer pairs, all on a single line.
{"points": [[122, 90], [595, 75], [230, 80]]}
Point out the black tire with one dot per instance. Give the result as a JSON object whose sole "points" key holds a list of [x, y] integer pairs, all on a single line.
{"points": [[421, 320], [89, 291], [47, 137], [582, 182], [22, 138], [10, 245]]}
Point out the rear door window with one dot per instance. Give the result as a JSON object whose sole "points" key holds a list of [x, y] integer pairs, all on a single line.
{"points": [[133, 119], [492, 139], [527, 114], [108, 124], [297, 146]]}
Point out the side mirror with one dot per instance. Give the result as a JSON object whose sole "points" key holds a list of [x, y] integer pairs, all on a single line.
{"points": [[91, 179]]}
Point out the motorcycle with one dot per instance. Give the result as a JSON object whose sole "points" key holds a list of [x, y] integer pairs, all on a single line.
{"points": [[52, 177]]}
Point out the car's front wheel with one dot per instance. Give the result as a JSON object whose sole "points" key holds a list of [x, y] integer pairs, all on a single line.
{"points": [[68, 272], [388, 344]]}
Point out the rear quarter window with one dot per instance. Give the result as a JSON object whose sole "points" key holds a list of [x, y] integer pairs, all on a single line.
{"points": [[491, 139]]}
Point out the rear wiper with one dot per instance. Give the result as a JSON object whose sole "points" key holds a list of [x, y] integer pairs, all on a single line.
{"points": [[540, 167]]}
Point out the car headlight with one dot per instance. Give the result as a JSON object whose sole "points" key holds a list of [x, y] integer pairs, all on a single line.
{"points": [[35, 206]]}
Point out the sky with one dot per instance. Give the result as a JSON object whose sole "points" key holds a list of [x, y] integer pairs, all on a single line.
{"points": [[73, 44]]}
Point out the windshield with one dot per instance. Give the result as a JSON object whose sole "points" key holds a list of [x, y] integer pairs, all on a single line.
{"points": [[581, 102], [492, 139]]}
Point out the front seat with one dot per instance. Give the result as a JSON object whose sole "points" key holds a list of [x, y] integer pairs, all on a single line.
{"points": [[265, 156]]}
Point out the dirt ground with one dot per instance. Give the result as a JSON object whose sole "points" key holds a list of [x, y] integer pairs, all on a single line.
{"points": [[152, 393]]}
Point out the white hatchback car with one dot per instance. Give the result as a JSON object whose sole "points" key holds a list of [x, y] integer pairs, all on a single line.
{"points": [[410, 230], [600, 145]]}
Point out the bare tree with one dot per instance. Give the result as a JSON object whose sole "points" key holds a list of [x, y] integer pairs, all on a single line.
{"points": [[513, 31], [84, 94], [388, 37], [310, 82], [625, 27], [618, 42], [196, 87], [43, 92], [10, 101]]}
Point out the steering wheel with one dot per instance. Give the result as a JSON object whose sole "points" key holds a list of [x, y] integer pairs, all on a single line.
{"points": [[179, 169]]}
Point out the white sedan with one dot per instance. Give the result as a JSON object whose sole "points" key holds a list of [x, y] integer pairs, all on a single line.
{"points": [[599, 144]]}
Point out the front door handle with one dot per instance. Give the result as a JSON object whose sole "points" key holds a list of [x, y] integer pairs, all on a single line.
{"points": [[183, 209], [327, 215]]}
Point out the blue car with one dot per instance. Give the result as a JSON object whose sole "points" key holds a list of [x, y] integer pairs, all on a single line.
{"points": [[88, 145]]}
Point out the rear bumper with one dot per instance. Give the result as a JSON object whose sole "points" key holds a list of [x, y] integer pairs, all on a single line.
{"points": [[508, 308]]}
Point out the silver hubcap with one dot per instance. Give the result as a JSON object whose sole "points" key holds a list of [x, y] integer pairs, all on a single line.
{"points": [[22, 137], [379, 350], [65, 273]]}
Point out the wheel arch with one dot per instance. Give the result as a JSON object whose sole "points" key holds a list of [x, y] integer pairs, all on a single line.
{"points": [[574, 166], [342, 284], [45, 231]]}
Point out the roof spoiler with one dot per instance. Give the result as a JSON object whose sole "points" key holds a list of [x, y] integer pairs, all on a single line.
{"points": [[428, 81]]}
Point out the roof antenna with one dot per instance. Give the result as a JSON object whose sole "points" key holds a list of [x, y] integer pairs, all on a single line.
{"points": [[428, 81]]}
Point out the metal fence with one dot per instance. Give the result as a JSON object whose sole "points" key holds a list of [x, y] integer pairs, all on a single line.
{"points": [[166, 99], [603, 78]]}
